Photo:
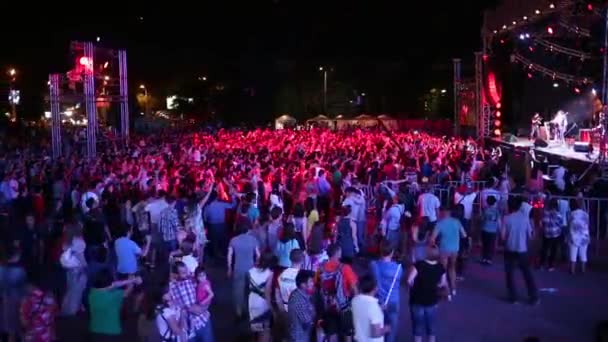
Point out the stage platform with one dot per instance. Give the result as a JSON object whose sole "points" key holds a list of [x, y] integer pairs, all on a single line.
{"points": [[554, 149]]}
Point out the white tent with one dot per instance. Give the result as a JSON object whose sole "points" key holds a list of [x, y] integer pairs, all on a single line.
{"points": [[388, 122], [285, 121]]}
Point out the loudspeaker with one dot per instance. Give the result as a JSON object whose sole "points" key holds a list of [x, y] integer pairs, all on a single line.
{"points": [[508, 137], [582, 147], [540, 143]]}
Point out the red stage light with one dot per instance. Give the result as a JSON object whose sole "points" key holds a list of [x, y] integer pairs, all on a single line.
{"points": [[590, 7], [576, 90], [485, 58], [497, 132], [502, 41], [497, 114], [497, 123], [498, 105], [529, 75], [550, 30], [531, 48]]}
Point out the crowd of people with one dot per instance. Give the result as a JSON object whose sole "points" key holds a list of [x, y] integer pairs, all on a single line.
{"points": [[288, 213]]}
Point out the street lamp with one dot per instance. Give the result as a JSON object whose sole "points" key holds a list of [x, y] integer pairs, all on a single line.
{"points": [[12, 73], [324, 88], [143, 87]]}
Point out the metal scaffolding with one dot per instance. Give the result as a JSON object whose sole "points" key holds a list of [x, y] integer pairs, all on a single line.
{"points": [[124, 95], [55, 117], [457, 89], [91, 75], [89, 100], [483, 118]]}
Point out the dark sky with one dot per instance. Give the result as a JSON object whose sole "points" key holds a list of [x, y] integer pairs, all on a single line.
{"points": [[243, 40]]}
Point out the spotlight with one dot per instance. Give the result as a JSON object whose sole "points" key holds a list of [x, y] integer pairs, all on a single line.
{"points": [[527, 35], [497, 123], [576, 90], [590, 7], [550, 30], [594, 92], [555, 85], [514, 22], [525, 18], [504, 27], [552, 6], [497, 132], [498, 105], [84, 61], [529, 75], [98, 39], [537, 12], [522, 36], [497, 114]]}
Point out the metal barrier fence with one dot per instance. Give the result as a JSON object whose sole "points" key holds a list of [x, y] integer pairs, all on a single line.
{"points": [[597, 208]]}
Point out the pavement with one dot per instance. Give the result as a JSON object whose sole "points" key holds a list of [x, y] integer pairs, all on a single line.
{"points": [[571, 307]]}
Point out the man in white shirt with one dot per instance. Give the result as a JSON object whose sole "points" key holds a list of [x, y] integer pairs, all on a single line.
{"points": [[368, 318], [489, 191], [155, 207], [286, 285], [90, 193], [467, 199], [356, 201], [429, 205]]}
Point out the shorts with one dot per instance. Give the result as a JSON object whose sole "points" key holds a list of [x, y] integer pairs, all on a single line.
{"points": [[424, 319], [448, 254], [338, 323], [578, 251]]}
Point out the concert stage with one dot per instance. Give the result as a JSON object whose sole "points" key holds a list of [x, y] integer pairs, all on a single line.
{"points": [[553, 150]]}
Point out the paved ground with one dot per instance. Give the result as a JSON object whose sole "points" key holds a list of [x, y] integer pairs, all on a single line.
{"points": [[478, 313]]}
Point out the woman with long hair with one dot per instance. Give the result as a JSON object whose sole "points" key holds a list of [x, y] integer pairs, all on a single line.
{"points": [[287, 243], [194, 222]]}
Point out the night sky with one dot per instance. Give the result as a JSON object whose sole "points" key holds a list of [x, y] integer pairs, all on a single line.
{"points": [[393, 49]]}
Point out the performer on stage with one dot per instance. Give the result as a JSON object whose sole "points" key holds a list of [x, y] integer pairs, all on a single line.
{"points": [[535, 126], [602, 130], [561, 122]]}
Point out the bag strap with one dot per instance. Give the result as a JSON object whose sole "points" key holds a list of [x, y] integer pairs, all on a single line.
{"points": [[166, 336], [390, 290]]}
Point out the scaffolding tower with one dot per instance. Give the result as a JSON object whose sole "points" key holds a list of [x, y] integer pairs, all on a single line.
{"points": [[99, 77]]}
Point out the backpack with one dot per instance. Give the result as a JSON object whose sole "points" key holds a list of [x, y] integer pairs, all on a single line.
{"points": [[332, 290]]}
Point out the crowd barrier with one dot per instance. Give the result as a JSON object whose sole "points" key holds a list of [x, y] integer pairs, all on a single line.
{"points": [[597, 208]]}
